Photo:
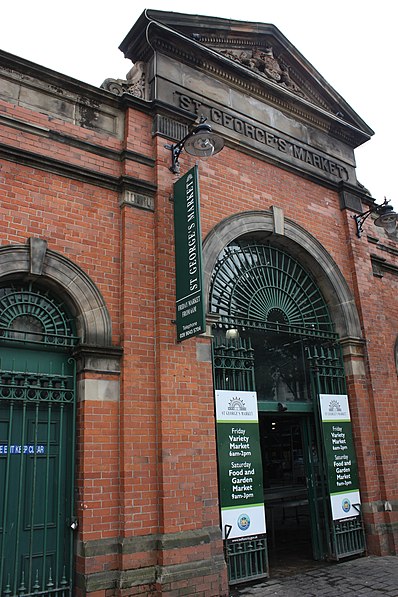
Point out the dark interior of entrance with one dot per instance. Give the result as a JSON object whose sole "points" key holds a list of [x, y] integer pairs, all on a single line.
{"points": [[285, 491]]}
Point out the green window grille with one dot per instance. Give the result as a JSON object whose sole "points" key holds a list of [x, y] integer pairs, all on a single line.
{"points": [[259, 286], [233, 364], [37, 440], [28, 314]]}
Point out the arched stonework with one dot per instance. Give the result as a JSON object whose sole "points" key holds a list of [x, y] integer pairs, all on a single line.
{"points": [[303, 246], [82, 297]]}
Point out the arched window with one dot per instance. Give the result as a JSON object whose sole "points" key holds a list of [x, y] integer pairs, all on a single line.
{"points": [[259, 286], [276, 307], [29, 314]]}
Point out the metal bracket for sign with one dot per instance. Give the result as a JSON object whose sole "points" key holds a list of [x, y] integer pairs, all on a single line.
{"points": [[227, 530], [358, 508]]}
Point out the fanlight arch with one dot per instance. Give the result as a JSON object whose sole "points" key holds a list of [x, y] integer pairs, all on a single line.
{"points": [[29, 314], [80, 295], [298, 242], [258, 285]]}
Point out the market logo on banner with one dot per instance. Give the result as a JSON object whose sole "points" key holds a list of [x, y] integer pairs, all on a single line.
{"points": [[346, 505], [334, 407], [236, 408], [236, 404]]}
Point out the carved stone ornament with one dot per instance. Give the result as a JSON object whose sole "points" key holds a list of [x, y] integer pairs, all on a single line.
{"points": [[134, 84], [262, 61]]}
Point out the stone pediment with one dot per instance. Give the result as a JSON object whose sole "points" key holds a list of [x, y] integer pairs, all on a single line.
{"points": [[254, 57]]}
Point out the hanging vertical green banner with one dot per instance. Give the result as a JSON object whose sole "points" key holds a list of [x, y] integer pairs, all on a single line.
{"points": [[239, 462], [190, 310], [340, 456]]}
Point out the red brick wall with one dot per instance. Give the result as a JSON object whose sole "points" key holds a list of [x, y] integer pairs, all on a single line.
{"points": [[147, 464], [232, 182]]}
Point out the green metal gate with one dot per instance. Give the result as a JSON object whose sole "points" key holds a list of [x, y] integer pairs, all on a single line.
{"points": [[37, 438], [234, 370], [267, 296], [339, 539]]}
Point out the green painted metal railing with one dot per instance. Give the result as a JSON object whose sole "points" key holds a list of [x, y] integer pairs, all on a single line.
{"points": [[233, 364], [349, 538], [247, 560]]}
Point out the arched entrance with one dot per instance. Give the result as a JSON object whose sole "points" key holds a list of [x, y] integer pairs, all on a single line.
{"points": [[48, 306], [37, 439], [269, 310]]}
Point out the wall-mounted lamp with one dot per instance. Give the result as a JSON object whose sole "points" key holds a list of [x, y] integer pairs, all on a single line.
{"points": [[232, 334], [387, 218], [200, 141]]}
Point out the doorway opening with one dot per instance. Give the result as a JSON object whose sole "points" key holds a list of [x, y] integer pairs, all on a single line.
{"points": [[273, 335], [285, 459]]}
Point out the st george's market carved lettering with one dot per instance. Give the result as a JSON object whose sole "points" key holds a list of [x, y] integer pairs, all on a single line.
{"points": [[264, 136]]}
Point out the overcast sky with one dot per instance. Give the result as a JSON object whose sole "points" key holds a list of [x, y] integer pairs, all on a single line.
{"points": [[350, 42]]}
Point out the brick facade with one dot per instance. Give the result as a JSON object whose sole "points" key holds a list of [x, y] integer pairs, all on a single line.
{"points": [[82, 170]]}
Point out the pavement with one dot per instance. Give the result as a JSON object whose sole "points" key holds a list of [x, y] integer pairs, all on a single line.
{"points": [[369, 576]]}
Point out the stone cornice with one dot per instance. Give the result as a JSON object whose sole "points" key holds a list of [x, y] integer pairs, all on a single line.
{"points": [[81, 144], [49, 164], [11, 64]]}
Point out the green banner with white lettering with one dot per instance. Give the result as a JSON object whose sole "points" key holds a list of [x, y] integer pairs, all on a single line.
{"points": [[190, 306], [239, 463], [340, 456]]}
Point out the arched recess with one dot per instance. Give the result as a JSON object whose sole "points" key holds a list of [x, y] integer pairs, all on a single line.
{"points": [[304, 247], [93, 374], [85, 304]]}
